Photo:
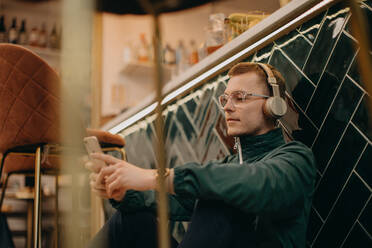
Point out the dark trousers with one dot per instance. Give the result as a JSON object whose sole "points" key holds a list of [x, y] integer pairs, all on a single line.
{"points": [[212, 225]]}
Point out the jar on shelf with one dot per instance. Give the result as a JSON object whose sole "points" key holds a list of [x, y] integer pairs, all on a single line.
{"points": [[215, 32]]}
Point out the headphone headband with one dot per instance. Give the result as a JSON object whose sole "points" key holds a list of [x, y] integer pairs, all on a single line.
{"points": [[271, 79], [276, 105]]}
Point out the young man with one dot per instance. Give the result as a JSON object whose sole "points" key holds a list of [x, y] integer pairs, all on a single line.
{"points": [[259, 197]]}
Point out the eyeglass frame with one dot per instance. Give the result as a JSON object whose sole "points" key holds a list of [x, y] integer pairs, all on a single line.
{"points": [[245, 95]]}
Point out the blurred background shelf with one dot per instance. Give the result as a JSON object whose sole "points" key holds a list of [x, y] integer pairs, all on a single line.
{"points": [[140, 69], [44, 51]]}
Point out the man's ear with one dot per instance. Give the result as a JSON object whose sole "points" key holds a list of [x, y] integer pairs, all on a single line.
{"points": [[268, 114]]}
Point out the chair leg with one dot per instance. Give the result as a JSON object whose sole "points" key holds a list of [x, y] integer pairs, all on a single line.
{"points": [[5, 184], [123, 154], [56, 213], [37, 200]]}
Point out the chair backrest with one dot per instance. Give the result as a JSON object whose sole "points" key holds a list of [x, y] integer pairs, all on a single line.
{"points": [[29, 99]]}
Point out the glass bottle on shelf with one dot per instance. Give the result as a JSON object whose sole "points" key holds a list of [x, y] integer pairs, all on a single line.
{"points": [[128, 52], [23, 33], [13, 32], [227, 33], [193, 57], [169, 55], [181, 57], [169, 59], [143, 50], [3, 37], [215, 32], [53, 38], [43, 36], [33, 39], [202, 51]]}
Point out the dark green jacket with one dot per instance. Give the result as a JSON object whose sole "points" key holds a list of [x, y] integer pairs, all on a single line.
{"points": [[275, 182]]}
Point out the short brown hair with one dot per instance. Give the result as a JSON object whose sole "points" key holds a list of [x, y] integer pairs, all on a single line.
{"points": [[245, 67]]}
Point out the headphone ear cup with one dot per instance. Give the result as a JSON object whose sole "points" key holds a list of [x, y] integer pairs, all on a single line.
{"points": [[267, 108], [275, 107]]}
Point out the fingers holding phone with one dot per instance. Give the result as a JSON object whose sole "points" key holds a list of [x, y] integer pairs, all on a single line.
{"points": [[92, 146]]}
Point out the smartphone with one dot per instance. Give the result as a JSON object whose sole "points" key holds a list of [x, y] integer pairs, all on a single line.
{"points": [[92, 146]]}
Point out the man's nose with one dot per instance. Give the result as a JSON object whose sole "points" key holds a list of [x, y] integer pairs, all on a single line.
{"points": [[229, 105]]}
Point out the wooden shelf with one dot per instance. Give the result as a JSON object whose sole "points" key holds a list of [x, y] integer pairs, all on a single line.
{"points": [[24, 195], [147, 69], [44, 51]]}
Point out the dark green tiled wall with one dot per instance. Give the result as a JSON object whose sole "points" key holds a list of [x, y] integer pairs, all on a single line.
{"points": [[318, 61]]}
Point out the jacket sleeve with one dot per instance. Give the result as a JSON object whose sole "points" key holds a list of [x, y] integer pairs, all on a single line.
{"points": [[180, 209], [265, 186]]}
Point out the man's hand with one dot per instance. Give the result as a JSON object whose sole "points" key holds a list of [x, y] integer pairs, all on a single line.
{"points": [[98, 187], [120, 176], [95, 169]]}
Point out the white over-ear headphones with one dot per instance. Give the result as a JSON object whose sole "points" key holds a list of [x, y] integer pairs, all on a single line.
{"points": [[275, 106]]}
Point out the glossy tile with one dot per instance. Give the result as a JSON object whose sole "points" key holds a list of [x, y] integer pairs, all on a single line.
{"points": [[364, 168], [338, 171], [130, 139], [325, 42], [310, 28], [362, 119], [306, 132], [354, 72], [249, 58], [168, 120], [180, 143], [221, 129], [295, 46], [299, 86], [348, 28], [317, 179], [351, 201], [191, 106], [220, 89], [367, 12], [315, 223], [215, 150], [141, 152], [263, 54], [358, 238], [331, 79], [342, 56], [366, 217], [206, 130], [368, 2], [322, 99], [172, 132], [151, 132], [186, 125], [335, 123], [202, 107], [174, 158]]}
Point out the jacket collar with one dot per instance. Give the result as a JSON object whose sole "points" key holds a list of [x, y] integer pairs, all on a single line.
{"points": [[259, 145]]}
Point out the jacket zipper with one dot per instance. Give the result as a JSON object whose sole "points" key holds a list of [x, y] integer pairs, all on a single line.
{"points": [[239, 147]]}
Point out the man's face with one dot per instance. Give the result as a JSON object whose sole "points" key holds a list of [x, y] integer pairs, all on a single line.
{"points": [[247, 117]]}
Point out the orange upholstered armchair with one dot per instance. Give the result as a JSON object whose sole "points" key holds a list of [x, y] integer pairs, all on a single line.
{"points": [[29, 120]]}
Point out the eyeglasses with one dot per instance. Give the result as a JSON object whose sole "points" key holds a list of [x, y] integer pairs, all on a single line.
{"points": [[237, 97]]}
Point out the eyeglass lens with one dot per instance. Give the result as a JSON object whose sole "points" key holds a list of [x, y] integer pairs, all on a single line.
{"points": [[236, 97]]}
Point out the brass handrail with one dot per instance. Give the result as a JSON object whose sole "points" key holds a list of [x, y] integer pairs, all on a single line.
{"points": [[360, 31]]}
